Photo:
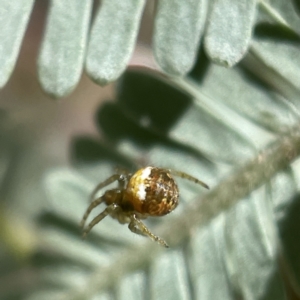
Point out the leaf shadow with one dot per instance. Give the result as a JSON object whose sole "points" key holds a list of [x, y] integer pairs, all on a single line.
{"points": [[201, 66], [276, 32], [289, 231], [144, 112]]}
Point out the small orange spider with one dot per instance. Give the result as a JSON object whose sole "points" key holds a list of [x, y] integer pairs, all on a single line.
{"points": [[150, 191]]}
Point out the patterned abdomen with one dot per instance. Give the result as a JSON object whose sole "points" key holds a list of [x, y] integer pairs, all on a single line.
{"points": [[152, 191]]}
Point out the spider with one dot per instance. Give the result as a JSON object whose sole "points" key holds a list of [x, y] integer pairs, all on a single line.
{"points": [[151, 191]]}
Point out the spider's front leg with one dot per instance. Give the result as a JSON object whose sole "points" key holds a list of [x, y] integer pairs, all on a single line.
{"points": [[109, 209], [124, 174], [138, 227], [93, 204], [116, 177], [188, 177]]}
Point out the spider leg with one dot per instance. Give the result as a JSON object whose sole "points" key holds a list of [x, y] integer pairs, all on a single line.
{"points": [[138, 227], [125, 174], [93, 204], [106, 182], [122, 181], [188, 177], [109, 209]]}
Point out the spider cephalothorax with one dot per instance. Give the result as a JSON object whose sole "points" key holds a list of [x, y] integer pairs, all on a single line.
{"points": [[150, 191]]}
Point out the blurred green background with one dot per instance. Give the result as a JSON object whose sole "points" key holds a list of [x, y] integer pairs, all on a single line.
{"points": [[209, 122]]}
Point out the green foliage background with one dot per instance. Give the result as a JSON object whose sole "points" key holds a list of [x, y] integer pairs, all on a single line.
{"points": [[235, 128]]}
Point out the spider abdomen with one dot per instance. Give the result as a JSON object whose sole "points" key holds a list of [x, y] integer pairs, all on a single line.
{"points": [[152, 191]]}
